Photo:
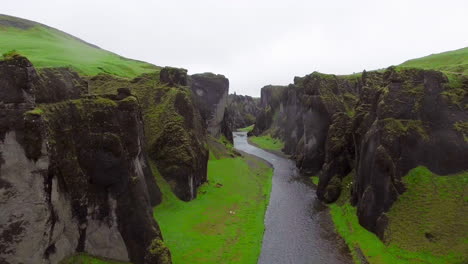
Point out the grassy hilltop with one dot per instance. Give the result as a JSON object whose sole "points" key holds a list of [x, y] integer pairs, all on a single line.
{"points": [[48, 47], [455, 61]]}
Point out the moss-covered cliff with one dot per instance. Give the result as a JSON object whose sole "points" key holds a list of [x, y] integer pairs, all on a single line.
{"points": [[176, 138], [379, 124], [74, 171]]}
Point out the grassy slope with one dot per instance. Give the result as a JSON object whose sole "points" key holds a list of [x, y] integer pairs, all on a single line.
{"points": [[246, 129], [455, 61], [267, 142], [224, 224], [431, 204], [48, 47]]}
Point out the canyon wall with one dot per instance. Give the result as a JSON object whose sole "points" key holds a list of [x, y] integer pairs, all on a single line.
{"points": [[380, 124], [179, 112], [210, 93], [74, 176], [242, 110]]}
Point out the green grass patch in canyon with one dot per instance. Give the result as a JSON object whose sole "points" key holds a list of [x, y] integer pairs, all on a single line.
{"points": [[224, 224], [246, 129], [83, 258], [267, 142], [426, 223], [314, 179]]}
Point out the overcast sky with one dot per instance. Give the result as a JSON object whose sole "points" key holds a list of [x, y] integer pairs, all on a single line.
{"points": [[259, 42]]}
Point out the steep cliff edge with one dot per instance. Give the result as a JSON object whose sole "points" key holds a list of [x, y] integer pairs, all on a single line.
{"points": [[210, 92], [242, 110], [174, 129], [378, 124], [74, 175]]}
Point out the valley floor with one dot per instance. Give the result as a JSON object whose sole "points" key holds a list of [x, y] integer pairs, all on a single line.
{"points": [[224, 224]]}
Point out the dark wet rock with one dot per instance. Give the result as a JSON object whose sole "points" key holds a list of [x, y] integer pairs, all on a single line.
{"points": [[242, 110], [174, 129], [74, 174], [380, 124], [173, 76], [210, 93], [59, 84]]}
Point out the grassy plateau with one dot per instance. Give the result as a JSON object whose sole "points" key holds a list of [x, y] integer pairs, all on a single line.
{"points": [[455, 61]]}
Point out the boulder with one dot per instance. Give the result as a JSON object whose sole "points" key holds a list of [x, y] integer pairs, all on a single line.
{"points": [[173, 76]]}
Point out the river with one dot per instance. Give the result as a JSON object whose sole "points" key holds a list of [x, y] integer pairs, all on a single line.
{"points": [[298, 227]]}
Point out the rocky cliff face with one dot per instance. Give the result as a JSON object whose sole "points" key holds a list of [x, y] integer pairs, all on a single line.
{"points": [[380, 124], [242, 110], [174, 128], [210, 92], [74, 176]]}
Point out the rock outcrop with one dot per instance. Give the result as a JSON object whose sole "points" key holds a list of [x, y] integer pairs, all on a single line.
{"points": [[174, 128], [74, 175], [210, 93], [380, 124], [242, 110]]}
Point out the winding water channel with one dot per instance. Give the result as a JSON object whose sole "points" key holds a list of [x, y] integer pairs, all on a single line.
{"points": [[298, 228]]}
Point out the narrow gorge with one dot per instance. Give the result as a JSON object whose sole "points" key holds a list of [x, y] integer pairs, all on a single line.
{"points": [[105, 159]]}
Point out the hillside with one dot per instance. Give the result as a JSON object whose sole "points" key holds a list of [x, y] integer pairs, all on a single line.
{"points": [[49, 47], [455, 61]]}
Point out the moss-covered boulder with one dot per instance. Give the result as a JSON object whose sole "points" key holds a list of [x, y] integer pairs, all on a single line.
{"points": [[173, 76]]}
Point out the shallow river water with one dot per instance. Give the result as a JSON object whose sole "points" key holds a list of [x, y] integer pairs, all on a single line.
{"points": [[298, 228]]}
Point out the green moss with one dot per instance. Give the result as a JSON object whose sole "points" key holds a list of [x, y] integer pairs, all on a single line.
{"points": [[246, 129], [129, 103], [159, 251], [402, 127], [314, 179], [462, 127], [224, 224], [35, 112], [10, 54], [83, 258], [267, 142]]}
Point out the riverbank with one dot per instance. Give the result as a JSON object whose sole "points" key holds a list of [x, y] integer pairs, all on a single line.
{"points": [[298, 227], [224, 224]]}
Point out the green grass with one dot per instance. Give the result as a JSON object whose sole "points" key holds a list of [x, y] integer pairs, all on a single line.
{"points": [[82, 258], [224, 224], [432, 215], [267, 142], [455, 61], [48, 47], [246, 129], [314, 179], [416, 210]]}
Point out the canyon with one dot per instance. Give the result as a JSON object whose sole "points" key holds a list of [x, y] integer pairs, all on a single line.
{"points": [[112, 160]]}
